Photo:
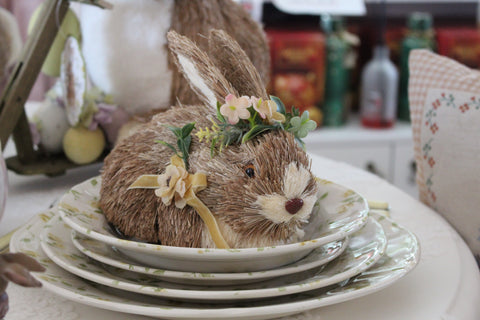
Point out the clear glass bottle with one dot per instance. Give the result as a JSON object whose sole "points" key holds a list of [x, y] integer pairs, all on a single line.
{"points": [[378, 102], [419, 35]]}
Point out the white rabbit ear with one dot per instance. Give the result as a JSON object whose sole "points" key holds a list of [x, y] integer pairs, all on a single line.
{"points": [[234, 63], [204, 77]]}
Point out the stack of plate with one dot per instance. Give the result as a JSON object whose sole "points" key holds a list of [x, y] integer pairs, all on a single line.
{"points": [[346, 253]]}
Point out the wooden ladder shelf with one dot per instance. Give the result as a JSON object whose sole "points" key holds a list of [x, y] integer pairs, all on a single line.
{"points": [[13, 119]]}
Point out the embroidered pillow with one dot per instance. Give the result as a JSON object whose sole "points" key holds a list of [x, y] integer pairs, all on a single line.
{"points": [[445, 111]]}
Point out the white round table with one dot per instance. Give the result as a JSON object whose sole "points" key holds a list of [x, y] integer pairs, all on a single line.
{"points": [[444, 285]]}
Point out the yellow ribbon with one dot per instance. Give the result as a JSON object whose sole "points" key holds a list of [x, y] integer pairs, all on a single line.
{"points": [[193, 183]]}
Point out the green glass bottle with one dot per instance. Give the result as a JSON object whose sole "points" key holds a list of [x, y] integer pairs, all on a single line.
{"points": [[336, 73], [420, 35]]}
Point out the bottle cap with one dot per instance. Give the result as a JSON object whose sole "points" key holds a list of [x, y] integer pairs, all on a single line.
{"points": [[420, 21]]}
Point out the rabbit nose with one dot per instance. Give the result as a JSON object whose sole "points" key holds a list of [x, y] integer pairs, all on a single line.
{"points": [[293, 205]]}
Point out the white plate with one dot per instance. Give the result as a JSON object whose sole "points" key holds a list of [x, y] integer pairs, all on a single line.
{"points": [[104, 253], [366, 246], [401, 256], [339, 212]]}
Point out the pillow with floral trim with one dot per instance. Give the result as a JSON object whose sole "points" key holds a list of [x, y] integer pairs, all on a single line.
{"points": [[445, 111]]}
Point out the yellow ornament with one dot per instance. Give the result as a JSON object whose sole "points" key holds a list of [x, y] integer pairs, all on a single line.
{"points": [[69, 27], [83, 146]]}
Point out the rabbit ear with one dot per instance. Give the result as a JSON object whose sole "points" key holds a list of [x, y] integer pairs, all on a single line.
{"points": [[204, 77], [235, 65]]}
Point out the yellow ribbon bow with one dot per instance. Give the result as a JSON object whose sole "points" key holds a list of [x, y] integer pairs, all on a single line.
{"points": [[176, 183]]}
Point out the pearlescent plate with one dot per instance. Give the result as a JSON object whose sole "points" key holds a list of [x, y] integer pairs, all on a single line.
{"points": [[338, 213], [365, 248], [104, 253], [401, 256]]}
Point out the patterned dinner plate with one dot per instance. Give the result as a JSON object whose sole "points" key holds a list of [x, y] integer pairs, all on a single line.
{"points": [[338, 213], [401, 256], [365, 248], [104, 253]]}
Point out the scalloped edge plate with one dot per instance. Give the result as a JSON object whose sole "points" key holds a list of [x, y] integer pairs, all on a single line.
{"points": [[339, 212], [104, 253], [365, 248], [401, 256]]}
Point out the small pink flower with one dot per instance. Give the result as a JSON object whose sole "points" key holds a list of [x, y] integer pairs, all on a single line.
{"points": [[235, 108], [267, 110], [257, 105]]}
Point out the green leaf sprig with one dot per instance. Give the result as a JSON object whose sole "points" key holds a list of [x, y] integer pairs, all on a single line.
{"points": [[184, 139]]}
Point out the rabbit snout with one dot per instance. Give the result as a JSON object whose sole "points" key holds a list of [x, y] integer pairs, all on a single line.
{"points": [[295, 201], [293, 205]]}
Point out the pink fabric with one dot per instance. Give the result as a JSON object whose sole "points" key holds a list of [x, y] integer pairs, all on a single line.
{"points": [[445, 111], [22, 10]]}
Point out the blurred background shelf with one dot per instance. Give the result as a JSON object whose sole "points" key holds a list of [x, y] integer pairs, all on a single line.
{"points": [[403, 7], [387, 153]]}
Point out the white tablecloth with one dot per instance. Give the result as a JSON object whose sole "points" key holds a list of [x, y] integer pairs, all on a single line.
{"points": [[445, 284]]}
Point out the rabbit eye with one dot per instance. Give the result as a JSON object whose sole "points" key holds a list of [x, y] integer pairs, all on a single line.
{"points": [[250, 171]]}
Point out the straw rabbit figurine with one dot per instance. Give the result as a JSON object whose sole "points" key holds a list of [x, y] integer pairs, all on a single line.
{"points": [[259, 192]]}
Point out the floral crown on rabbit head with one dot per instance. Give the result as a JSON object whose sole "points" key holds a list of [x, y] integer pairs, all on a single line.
{"points": [[246, 111]]}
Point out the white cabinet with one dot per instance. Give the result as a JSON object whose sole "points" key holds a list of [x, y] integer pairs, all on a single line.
{"points": [[374, 158], [386, 152], [405, 167]]}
